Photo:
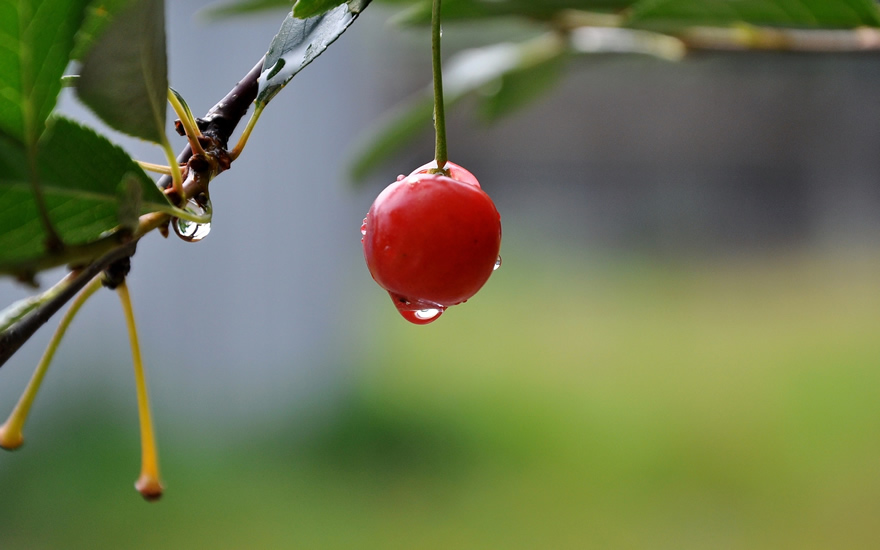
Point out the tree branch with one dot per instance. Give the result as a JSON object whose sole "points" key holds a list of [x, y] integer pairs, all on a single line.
{"points": [[218, 124], [15, 336]]}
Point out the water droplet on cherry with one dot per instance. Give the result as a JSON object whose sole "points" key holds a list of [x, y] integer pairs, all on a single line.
{"points": [[421, 316], [497, 263], [418, 312]]}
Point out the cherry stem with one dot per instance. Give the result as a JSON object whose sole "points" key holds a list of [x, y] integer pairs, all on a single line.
{"points": [[246, 133], [148, 483], [176, 175], [11, 436], [152, 167], [190, 127], [439, 113]]}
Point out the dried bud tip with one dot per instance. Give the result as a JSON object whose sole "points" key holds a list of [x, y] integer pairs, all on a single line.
{"points": [[149, 487]]}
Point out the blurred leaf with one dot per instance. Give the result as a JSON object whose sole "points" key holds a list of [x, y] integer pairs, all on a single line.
{"points": [[468, 71], [394, 130], [508, 74], [671, 15], [593, 40], [79, 174], [130, 195], [420, 13], [98, 17], [303, 9], [518, 87], [299, 42], [36, 37], [246, 6], [124, 77]]}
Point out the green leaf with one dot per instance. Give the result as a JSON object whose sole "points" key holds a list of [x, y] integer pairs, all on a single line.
{"points": [[299, 42], [673, 15], [246, 6], [303, 9], [420, 13], [36, 37], [98, 17], [394, 130], [79, 174], [522, 85], [124, 77], [470, 71]]}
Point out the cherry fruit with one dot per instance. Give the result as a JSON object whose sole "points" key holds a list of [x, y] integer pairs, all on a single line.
{"points": [[432, 241]]}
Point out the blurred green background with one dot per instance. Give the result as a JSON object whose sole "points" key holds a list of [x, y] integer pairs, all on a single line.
{"points": [[680, 350], [616, 403]]}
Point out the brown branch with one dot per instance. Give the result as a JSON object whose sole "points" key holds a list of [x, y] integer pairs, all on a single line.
{"points": [[218, 124], [15, 336]]}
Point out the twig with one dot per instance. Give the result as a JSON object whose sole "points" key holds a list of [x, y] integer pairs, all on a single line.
{"points": [[218, 124], [15, 336]]}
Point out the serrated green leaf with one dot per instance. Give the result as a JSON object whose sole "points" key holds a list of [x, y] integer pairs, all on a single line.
{"points": [[451, 10], [124, 77], [299, 42], [246, 6], [673, 15], [98, 17], [36, 37], [79, 175], [129, 196]]}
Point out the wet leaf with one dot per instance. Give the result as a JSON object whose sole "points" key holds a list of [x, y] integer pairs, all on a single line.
{"points": [[672, 15], [299, 42], [80, 174], [36, 37], [124, 77]]}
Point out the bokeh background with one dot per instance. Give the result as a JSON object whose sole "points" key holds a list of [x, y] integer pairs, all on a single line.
{"points": [[681, 350]]}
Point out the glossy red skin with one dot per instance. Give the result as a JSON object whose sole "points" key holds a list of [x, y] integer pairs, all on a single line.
{"points": [[432, 241], [456, 172]]}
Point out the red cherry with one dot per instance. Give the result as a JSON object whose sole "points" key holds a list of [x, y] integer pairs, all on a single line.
{"points": [[432, 241]]}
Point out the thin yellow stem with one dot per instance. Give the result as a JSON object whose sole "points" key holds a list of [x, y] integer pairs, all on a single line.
{"points": [[189, 124], [11, 436], [158, 168], [176, 175], [246, 133], [148, 484]]}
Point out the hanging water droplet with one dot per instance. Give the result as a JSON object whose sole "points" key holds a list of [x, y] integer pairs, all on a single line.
{"points": [[364, 227], [497, 263], [427, 314], [191, 231], [421, 316], [417, 312]]}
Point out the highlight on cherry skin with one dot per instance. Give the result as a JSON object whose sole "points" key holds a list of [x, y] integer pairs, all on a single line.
{"points": [[432, 241]]}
